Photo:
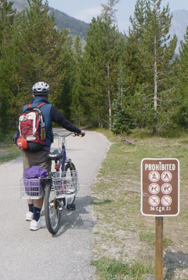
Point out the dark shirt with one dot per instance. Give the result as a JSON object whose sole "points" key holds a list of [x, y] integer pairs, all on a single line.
{"points": [[57, 117]]}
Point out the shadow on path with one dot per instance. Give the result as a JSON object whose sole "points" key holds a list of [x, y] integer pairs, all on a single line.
{"points": [[80, 217], [174, 260]]}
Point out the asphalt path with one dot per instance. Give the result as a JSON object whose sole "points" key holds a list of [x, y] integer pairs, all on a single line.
{"points": [[25, 254]]}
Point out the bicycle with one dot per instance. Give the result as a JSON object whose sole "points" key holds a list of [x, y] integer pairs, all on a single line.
{"points": [[59, 188]]}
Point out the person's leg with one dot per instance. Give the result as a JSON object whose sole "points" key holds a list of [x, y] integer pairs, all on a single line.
{"points": [[29, 160], [37, 223], [37, 208], [29, 214]]}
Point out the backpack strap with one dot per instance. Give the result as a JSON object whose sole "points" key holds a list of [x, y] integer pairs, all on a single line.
{"points": [[40, 105]]}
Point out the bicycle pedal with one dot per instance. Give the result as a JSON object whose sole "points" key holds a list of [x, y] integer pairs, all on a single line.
{"points": [[71, 206]]}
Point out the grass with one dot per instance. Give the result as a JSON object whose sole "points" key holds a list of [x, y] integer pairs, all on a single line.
{"points": [[8, 150], [112, 269], [121, 232]]}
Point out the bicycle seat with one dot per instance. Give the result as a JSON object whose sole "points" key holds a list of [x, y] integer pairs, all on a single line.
{"points": [[55, 155]]}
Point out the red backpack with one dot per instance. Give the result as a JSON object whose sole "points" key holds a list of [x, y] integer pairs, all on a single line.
{"points": [[32, 133]]}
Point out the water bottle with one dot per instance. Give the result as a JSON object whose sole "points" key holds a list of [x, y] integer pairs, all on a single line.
{"points": [[43, 131]]}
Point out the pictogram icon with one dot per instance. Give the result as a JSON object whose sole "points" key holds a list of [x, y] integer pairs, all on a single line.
{"points": [[154, 200], [166, 200], [154, 188], [166, 188], [166, 176], [154, 176]]}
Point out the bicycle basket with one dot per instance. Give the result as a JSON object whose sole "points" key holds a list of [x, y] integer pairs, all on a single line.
{"points": [[66, 185], [31, 188]]}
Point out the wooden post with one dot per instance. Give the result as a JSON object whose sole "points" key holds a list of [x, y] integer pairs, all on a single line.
{"points": [[158, 248]]}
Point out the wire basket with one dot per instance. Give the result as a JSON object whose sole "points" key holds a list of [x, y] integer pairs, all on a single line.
{"points": [[31, 188], [67, 185]]}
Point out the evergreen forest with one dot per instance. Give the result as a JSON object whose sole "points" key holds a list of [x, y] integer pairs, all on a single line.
{"points": [[117, 81]]}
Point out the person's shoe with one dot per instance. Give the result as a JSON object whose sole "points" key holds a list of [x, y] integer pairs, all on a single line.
{"points": [[34, 225], [29, 216]]}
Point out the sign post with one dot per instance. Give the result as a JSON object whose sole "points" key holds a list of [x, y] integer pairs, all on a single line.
{"points": [[158, 248], [159, 198]]}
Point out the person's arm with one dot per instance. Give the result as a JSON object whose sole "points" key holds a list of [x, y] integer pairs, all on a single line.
{"points": [[57, 117]]}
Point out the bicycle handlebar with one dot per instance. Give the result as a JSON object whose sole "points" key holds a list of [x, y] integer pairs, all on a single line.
{"points": [[68, 134], [63, 135]]}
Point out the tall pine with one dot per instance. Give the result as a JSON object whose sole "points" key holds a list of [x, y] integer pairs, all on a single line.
{"points": [[77, 112], [180, 114], [7, 17], [39, 51], [154, 50], [100, 66]]}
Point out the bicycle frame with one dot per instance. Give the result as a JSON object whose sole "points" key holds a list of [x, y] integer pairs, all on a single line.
{"points": [[61, 165]]}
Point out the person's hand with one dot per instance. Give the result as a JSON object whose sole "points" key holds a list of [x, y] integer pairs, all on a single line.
{"points": [[82, 134]]}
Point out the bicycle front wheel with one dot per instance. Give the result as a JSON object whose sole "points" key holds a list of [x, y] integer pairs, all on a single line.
{"points": [[68, 168], [52, 211]]}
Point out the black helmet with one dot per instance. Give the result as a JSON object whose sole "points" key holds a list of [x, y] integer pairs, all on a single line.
{"points": [[40, 88]]}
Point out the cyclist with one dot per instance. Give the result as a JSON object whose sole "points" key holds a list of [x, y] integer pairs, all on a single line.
{"points": [[50, 113]]}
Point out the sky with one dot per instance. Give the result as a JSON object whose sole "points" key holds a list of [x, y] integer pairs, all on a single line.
{"points": [[85, 10]]}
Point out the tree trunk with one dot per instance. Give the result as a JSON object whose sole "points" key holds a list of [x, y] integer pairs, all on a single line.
{"points": [[155, 83], [109, 99], [155, 73]]}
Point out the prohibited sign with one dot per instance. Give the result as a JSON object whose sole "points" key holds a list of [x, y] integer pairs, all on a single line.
{"points": [[160, 187]]}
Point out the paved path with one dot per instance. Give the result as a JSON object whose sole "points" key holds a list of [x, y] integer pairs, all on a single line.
{"points": [[39, 255]]}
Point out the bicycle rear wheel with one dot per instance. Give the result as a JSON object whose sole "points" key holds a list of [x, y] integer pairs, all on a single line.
{"points": [[68, 168], [52, 212]]}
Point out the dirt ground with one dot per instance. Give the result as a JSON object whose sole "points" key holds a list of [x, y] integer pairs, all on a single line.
{"points": [[175, 261], [123, 242]]}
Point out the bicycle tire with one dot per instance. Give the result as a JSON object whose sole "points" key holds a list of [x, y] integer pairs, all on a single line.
{"points": [[52, 213], [70, 166]]}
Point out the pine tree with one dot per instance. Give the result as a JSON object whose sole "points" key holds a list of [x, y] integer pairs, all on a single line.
{"points": [[153, 53], [38, 51], [7, 16], [77, 96], [100, 66], [180, 113]]}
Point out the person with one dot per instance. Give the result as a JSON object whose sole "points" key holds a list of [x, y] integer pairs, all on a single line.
{"points": [[50, 114]]}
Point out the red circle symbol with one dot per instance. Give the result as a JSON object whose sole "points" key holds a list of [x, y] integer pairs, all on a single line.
{"points": [[166, 200], [154, 200], [154, 176], [166, 188], [166, 176], [154, 188]]}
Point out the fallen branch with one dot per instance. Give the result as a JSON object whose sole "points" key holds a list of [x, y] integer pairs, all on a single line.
{"points": [[124, 139]]}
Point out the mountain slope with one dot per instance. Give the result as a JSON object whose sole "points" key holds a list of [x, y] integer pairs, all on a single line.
{"points": [[62, 20], [179, 25], [74, 26]]}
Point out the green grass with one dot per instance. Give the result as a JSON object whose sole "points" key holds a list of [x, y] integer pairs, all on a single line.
{"points": [[8, 150], [111, 269], [120, 227]]}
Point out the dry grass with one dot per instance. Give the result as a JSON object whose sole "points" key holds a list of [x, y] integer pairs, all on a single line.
{"points": [[121, 231]]}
